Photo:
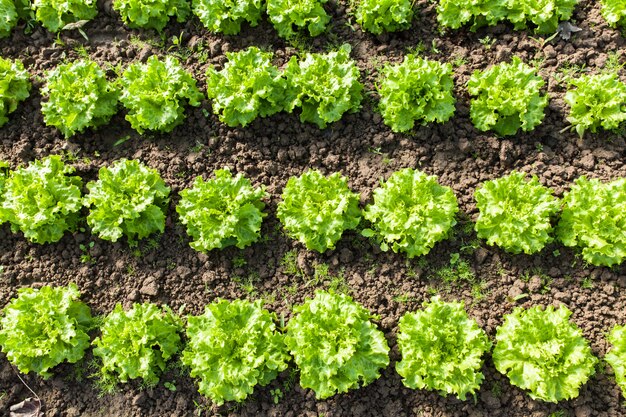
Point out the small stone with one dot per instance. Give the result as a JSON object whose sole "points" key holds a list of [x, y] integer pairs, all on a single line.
{"points": [[134, 295], [535, 283], [140, 398], [480, 255], [582, 411], [149, 287], [514, 292]]}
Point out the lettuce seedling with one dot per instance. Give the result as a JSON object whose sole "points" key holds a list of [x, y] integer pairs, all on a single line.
{"points": [[416, 90], [515, 214], [287, 16], [542, 352], [614, 11], [378, 16], [54, 15], [442, 349], [249, 86], [42, 328], [222, 212], [155, 94], [616, 357], [335, 345], [594, 219], [507, 98], [42, 200], [598, 101], [129, 199], [79, 96], [316, 209], [14, 87], [8, 18], [152, 14], [226, 16], [324, 86], [411, 212], [233, 347], [544, 16], [136, 343]]}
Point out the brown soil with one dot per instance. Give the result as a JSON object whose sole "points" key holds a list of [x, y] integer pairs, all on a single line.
{"points": [[166, 270]]}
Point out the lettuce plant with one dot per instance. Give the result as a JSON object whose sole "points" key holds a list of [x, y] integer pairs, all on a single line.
{"points": [[14, 87], [233, 347], [594, 219], [442, 349], [155, 94], [515, 214], [42, 328], [42, 200], [129, 199], [378, 16], [316, 209], [79, 96], [542, 352], [137, 343], [226, 16], [411, 212], [54, 15], [287, 15], [8, 17], [543, 15], [616, 357], [5, 169], [416, 90], [614, 11], [222, 212], [152, 14], [507, 98], [249, 86], [324, 86], [598, 101], [335, 345]]}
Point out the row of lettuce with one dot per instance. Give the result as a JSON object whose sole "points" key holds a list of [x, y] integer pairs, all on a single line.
{"points": [[235, 345], [506, 97], [410, 211], [293, 17]]}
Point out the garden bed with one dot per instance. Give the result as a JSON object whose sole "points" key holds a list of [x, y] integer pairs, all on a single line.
{"points": [[164, 269]]}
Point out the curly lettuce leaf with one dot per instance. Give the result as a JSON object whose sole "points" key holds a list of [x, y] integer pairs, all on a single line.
{"points": [[543, 15], [416, 90], [287, 15], [598, 101], [233, 347], [335, 345], [594, 219], [616, 357], [54, 15], [79, 96], [222, 212], [378, 16], [8, 17], [515, 214], [129, 199], [324, 86], [507, 97], [316, 209], [155, 94], [442, 349], [411, 212], [249, 86], [152, 14], [226, 16], [614, 11], [137, 343], [542, 352], [14, 87], [42, 328], [42, 200]]}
